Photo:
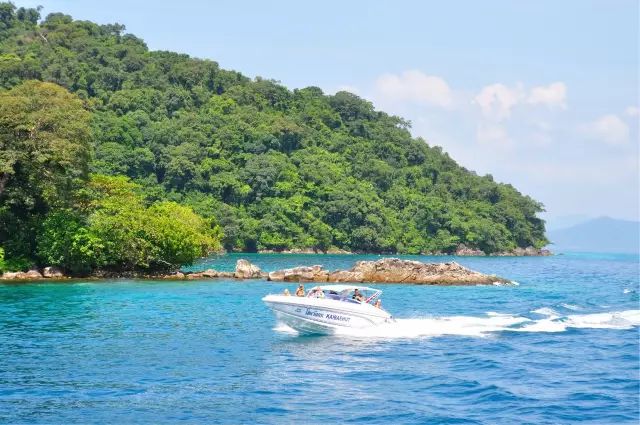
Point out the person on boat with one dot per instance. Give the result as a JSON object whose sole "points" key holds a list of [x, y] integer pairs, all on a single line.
{"points": [[378, 303], [286, 292], [319, 293], [357, 295], [300, 291]]}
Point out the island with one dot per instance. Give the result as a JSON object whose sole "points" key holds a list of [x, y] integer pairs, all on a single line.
{"points": [[385, 270], [119, 159]]}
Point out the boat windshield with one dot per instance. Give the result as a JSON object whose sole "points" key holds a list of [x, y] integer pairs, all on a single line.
{"points": [[354, 295]]}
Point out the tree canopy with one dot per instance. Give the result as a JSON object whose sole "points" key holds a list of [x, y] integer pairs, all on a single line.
{"points": [[276, 168]]}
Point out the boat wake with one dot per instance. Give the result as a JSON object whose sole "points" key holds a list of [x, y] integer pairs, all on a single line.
{"points": [[544, 320]]}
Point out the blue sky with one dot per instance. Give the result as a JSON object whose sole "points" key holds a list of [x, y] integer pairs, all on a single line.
{"points": [[540, 94]]}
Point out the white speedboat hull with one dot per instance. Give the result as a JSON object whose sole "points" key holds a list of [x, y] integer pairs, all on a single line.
{"points": [[324, 316]]}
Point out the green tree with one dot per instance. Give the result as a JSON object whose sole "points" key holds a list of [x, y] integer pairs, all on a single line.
{"points": [[276, 168], [44, 154], [180, 234], [3, 264], [44, 139], [115, 230]]}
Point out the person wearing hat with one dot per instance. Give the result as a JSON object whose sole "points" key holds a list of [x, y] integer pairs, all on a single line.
{"points": [[300, 291]]}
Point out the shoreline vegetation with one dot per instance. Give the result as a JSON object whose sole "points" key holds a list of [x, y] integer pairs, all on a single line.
{"points": [[461, 251], [386, 270], [115, 157]]}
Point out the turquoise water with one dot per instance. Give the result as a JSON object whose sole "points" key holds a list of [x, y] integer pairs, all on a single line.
{"points": [[561, 347]]}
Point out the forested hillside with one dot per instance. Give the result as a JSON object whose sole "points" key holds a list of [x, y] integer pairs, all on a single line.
{"points": [[276, 169]]}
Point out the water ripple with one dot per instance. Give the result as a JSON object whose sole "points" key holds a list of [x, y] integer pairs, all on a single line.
{"points": [[560, 348]]}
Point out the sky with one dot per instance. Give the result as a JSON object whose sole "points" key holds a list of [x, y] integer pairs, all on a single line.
{"points": [[540, 94]]}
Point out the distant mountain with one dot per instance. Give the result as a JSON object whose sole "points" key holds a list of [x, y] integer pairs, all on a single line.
{"points": [[603, 234], [565, 221]]}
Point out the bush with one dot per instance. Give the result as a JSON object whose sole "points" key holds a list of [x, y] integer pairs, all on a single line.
{"points": [[179, 235], [120, 233], [65, 242]]}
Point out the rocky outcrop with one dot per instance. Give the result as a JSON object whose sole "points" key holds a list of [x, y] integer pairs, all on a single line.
{"points": [[525, 252], [12, 275], [206, 274], [246, 270], [386, 270], [405, 271], [30, 275], [290, 251], [391, 270], [300, 274], [52, 272], [464, 250], [332, 250]]}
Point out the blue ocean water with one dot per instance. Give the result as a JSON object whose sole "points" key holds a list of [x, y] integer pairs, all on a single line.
{"points": [[562, 347]]}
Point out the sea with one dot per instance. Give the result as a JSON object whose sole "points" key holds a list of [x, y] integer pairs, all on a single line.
{"points": [[561, 346]]}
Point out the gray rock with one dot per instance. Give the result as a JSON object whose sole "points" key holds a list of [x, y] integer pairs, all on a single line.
{"points": [[246, 270], [209, 273], [390, 270], [52, 272], [30, 275], [525, 252], [463, 250], [33, 274], [336, 250], [300, 274]]}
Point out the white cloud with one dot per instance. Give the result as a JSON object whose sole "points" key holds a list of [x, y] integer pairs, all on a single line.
{"points": [[632, 111], [493, 135], [415, 86], [497, 100], [610, 129], [553, 96]]}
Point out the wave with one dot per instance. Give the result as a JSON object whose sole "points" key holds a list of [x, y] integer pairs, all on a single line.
{"points": [[571, 307], [283, 328], [492, 323]]}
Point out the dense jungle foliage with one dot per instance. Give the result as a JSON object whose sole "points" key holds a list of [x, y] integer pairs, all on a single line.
{"points": [[273, 168]]}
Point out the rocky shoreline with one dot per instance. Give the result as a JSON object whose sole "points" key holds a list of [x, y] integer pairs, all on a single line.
{"points": [[390, 270], [461, 251], [386, 270]]}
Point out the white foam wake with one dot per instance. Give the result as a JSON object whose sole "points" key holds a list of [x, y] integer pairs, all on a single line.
{"points": [[281, 327], [495, 322]]}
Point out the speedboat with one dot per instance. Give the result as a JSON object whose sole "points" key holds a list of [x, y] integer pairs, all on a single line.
{"points": [[328, 308]]}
